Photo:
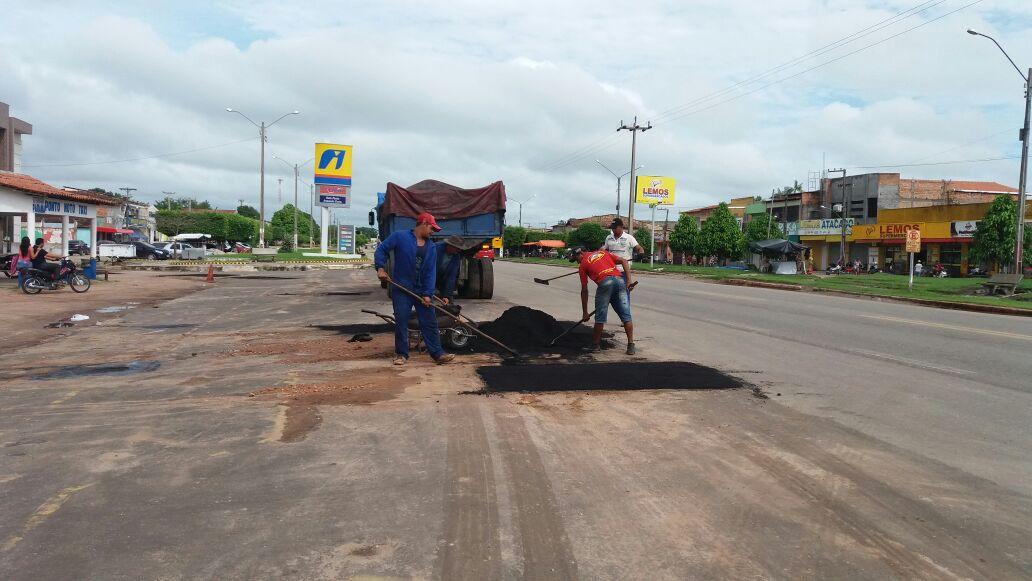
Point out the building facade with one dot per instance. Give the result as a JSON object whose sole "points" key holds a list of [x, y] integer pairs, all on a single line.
{"points": [[11, 131]]}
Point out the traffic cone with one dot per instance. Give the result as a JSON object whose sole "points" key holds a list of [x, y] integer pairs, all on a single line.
{"points": [[211, 273]]}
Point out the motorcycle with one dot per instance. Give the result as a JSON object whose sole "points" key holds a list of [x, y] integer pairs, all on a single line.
{"points": [[5, 264], [37, 280]]}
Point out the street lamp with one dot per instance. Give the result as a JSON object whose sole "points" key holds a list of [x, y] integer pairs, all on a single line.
{"points": [[261, 168], [618, 178], [1023, 136], [296, 167], [519, 222]]}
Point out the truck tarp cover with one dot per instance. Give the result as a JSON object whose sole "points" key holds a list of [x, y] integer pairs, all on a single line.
{"points": [[442, 200]]}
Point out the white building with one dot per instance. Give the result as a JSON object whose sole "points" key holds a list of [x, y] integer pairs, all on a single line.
{"points": [[29, 207]]}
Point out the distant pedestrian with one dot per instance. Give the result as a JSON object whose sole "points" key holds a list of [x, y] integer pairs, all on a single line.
{"points": [[918, 268], [414, 267], [23, 260], [612, 290]]}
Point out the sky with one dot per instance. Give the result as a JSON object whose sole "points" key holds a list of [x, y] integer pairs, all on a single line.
{"points": [[743, 96]]}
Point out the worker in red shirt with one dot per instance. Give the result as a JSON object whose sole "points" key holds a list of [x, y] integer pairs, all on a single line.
{"points": [[600, 266]]}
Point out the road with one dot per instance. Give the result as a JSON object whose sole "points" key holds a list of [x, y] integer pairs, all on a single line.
{"points": [[237, 434]]}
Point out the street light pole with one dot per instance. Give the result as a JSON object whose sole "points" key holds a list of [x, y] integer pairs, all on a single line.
{"points": [[297, 175], [1023, 135], [634, 129], [519, 222], [262, 127], [618, 178]]}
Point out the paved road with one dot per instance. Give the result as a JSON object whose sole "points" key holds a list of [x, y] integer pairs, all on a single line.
{"points": [[250, 440], [950, 385]]}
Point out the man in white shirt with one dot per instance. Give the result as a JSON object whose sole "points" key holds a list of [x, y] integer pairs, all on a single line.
{"points": [[621, 243]]}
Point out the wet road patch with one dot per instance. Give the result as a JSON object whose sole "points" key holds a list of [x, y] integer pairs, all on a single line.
{"points": [[67, 371], [604, 376]]}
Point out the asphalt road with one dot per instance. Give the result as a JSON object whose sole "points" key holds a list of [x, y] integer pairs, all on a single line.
{"points": [[237, 434]]}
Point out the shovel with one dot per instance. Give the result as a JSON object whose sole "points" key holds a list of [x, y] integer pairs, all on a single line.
{"points": [[457, 319], [578, 323], [544, 281]]}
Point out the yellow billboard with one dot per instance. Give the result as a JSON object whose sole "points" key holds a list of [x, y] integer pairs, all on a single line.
{"points": [[332, 164], [654, 190]]}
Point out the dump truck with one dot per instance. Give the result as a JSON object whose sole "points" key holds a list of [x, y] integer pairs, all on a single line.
{"points": [[476, 215]]}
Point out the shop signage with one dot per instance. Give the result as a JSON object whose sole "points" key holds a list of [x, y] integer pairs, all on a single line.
{"points": [[54, 207], [913, 240], [892, 231], [963, 229], [826, 227], [334, 196], [332, 164], [654, 190]]}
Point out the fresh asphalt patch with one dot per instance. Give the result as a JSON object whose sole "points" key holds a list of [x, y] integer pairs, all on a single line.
{"points": [[69, 371], [604, 376]]}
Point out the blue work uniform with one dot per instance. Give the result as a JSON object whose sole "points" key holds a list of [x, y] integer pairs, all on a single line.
{"points": [[448, 271], [415, 268]]}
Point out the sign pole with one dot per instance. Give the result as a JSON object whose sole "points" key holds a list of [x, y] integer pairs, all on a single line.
{"points": [[652, 243], [324, 240], [911, 271]]}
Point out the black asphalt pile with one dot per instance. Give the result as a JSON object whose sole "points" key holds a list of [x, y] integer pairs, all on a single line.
{"points": [[620, 375], [530, 331]]}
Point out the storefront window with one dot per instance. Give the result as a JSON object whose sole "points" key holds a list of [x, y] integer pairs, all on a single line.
{"points": [[950, 257]]}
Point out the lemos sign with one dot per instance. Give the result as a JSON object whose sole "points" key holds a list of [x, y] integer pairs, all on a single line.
{"points": [[333, 174], [654, 190]]}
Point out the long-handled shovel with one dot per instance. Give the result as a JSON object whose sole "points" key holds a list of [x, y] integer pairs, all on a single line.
{"points": [[544, 281], [457, 319], [579, 323]]}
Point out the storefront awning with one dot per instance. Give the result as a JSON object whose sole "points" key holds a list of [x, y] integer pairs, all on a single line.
{"points": [[110, 230]]}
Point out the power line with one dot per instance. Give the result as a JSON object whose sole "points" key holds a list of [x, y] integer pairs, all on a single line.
{"points": [[571, 159], [609, 141], [160, 155], [957, 161]]}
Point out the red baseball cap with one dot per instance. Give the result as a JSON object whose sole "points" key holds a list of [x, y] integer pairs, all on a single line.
{"points": [[428, 218]]}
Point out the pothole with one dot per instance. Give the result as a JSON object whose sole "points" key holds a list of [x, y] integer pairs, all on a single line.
{"points": [[64, 372], [604, 376]]}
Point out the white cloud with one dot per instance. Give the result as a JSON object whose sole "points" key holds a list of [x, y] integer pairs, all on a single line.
{"points": [[470, 92]]}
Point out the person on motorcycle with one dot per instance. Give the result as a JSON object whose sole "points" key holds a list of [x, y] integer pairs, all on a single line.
{"points": [[23, 260], [40, 256]]}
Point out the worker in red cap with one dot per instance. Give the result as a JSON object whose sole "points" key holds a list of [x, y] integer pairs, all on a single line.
{"points": [[413, 266]]}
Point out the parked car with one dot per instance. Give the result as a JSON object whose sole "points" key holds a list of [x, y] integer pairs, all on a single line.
{"points": [[78, 247], [174, 249], [150, 251]]}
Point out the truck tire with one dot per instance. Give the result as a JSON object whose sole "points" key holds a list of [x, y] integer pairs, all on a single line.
{"points": [[486, 278], [474, 279]]}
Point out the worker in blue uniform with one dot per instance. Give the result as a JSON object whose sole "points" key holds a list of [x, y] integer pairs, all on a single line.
{"points": [[414, 267], [449, 256]]}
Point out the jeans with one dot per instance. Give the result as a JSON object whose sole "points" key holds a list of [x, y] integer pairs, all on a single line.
{"points": [[612, 291], [427, 325]]}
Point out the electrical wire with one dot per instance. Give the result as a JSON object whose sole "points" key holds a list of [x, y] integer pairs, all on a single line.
{"points": [[569, 160], [957, 161], [158, 156]]}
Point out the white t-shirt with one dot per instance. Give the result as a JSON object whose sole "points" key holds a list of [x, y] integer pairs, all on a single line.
{"points": [[623, 246]]}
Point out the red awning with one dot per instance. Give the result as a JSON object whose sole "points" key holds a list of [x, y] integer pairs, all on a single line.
{"points": [[110, 230]]}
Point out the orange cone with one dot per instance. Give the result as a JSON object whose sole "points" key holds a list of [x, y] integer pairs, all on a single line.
{"points": [[211, 273]]}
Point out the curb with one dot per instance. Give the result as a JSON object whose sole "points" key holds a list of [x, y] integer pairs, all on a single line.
{"points": [[954, 306]]}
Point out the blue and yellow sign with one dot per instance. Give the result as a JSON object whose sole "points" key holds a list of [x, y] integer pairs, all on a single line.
{"points": [[332, 164]]}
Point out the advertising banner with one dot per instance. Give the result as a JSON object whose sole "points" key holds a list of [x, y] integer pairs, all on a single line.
{"points": [[826, 227], [963, 229], [893, 231], [334, 197], [654, 190], [332, 164], [346, 239]]}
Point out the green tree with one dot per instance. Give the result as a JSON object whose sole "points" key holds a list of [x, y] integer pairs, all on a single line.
{"points": [[589, 235], [685, 236], [993, 243], [795, 188], [537, 236], [185, 203], [248, 212], [762, 227], [513, 238], [283, 224], [221, 227], [644, 238], [720, 235], [369, 233]]}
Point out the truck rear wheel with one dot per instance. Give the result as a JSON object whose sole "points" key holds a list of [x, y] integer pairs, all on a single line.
{"points": [[486, 278], [473, 280]]}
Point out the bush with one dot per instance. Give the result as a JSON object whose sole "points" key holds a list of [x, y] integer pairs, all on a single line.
{"points": [[589, 235]]}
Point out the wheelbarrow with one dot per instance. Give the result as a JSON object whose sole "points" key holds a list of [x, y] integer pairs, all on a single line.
{"points": [[453, 335]]}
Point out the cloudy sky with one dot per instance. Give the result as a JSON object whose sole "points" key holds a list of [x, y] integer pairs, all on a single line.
{"points": [[744, 95]]}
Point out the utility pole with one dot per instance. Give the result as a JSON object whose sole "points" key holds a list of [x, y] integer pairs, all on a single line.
{"points": [[634, 129], [666, 221], [261, 168], [1023, 135], [311, 214], [519, 222], [128, 191], [279, 189]]}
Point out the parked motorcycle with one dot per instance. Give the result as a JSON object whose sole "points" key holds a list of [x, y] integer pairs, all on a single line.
{"points": [[38, 280], [5, 264]]}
